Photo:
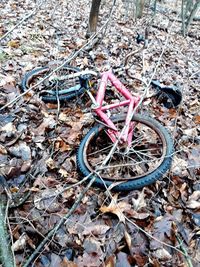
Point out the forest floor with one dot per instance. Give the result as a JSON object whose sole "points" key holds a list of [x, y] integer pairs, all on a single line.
{"points": [[155, 226]]}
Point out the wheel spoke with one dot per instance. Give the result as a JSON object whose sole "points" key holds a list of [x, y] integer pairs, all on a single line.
{"points": [[144, 155], [101, 150]]}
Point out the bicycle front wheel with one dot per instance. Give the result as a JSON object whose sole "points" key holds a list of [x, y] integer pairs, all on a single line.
{"points": [[57, 86], [147, 160]]}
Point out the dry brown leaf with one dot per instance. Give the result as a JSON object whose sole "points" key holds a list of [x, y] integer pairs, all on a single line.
{"points": [[194, 200], [116, 208], [190, 132], [96, 229], [63, 116], [46, 200], [122, 260], [139, 202], [111, 261], [20, 243], [67, 263], [61, 145], [21, 150], [63, 172], [194, 157], [3, 150], [197, 119], [50, 163], [178, 165], [162, 254], [55, 260], [128, 240], [48, 123], [14, 43], [9, 129], [162, 230]]}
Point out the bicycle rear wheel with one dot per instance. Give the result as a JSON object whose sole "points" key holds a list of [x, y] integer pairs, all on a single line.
{"points": [[57, 86], [147, 160]]}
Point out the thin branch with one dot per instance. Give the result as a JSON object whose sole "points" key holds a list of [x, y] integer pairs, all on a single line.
{"points": [[188, 259]]}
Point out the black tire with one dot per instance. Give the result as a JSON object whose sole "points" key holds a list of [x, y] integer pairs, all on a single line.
{"points": [[142, 181], [52, 97]]}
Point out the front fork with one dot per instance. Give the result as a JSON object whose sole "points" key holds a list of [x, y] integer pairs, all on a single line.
{"points": [[113, 135]]}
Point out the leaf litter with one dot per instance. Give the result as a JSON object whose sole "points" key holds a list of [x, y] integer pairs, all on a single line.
{"points": [[38, 146]]}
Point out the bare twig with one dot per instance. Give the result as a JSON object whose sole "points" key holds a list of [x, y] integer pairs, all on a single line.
{"points": [[182, 248]]}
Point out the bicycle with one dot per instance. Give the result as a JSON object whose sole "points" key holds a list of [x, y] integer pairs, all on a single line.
{"points": [[145, 148]]}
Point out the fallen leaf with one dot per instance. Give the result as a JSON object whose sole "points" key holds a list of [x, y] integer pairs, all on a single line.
{"points": [[44, 201], [194, 200], [162, 231], [89, 260], [48, 123], [194, 157], [91, 245], [14, 43], [67, 263], [96, 229], [61, 145], [55, 260], [21, 150], [162, 254], [197, 119], [139, 202], [51, 163], [9, 129], [20, 243], [110, 261], [3, 150], [122, 260], [116, 208], [128, 240]]}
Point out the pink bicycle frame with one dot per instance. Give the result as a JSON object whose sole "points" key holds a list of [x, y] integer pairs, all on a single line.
{"points": [[131, 101]]}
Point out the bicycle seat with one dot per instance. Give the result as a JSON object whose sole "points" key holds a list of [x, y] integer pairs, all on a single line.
{"points": [[171, 96]]}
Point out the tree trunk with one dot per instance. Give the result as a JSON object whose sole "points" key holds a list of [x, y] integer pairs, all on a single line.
{"points": [[94, 12], [188, 12], [139, 8], [192, 14]]}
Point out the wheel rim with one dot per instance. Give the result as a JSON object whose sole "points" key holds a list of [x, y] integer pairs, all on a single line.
{"points": [[52, 87], [146, 154]]}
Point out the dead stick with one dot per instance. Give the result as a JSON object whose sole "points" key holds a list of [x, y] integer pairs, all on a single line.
{"points": [[185, 253]]}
